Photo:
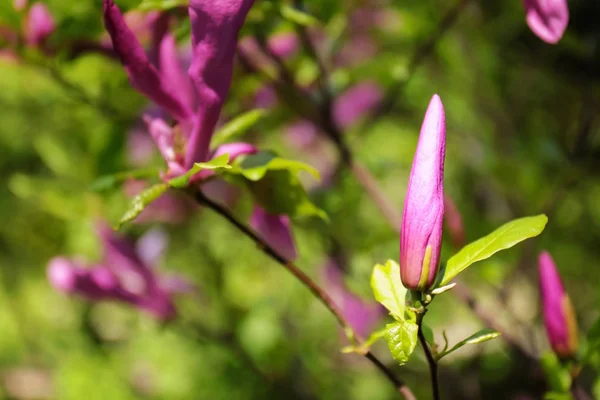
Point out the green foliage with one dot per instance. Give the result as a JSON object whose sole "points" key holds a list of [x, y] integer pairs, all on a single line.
{"points": [[161, 5], [217, 163], [479, 337], [502, 238], [142, 200], [296, 16], [388, 290], [401, 338], [557, 376], [237, 127]]}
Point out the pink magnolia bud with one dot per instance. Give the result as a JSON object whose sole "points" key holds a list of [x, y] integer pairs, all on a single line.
{"points": [[421, 234], [39, 25], [548, 19], [559, 317]]}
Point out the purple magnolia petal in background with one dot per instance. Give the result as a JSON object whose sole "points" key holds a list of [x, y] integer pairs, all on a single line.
{"points": [[454, 222], [95, 283], [355, 103], [215, 28], [122, 276], [422, 221], [284, 45], [235, 150], [173, 72], [142, 74], [559, 316], [152, 245], [548, 19], [361, 314], [276, 231], [19, 5], [39, 25]]}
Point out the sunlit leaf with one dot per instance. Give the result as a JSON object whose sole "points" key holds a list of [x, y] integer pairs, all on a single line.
{"points": [[387, 288], [366, 345], [142, 200], [221, 162], [296, 16], [401, 337], [255, 166], [557, 376], [162, 5], [237, 127], [482, 336], [502, 238]]}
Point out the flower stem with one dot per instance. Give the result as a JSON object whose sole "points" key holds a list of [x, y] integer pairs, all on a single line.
{"points": [[309, 283], [433, 366]]}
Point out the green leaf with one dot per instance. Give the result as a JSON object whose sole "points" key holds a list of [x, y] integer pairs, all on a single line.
{"points": [[482, 336], [161, 5], [502, 238], [255, 166], [110, 181], [364, 348], [221, 162], [140, 202], [387, 288], [296, 16], [237, 127], [274, 184], [401, 337], [558, 377]]}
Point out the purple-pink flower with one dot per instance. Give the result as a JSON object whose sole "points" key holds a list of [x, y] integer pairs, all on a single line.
{"points": [[422, 221], [194, 99], [362, 315], [559, 316], [276, 231], [548, 19], [123, 275], [39, 25]]}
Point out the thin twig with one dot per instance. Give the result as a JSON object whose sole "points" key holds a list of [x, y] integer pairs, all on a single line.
{"points": [[306, 281], [433, 365]]}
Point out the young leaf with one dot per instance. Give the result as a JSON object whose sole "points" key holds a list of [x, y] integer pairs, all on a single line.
{"points": [[140, 202], [502, 238], [237, 127], [428, 333], [296, 16], [221, 162], [558, 377], [364, 347], [482, 336], [401, 337], [255, 166], [275, 185], [387, 288], [161, 5]]}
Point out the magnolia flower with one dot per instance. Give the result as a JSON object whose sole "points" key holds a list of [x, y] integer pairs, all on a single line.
{"points": [[548, 19], [355, 103], [559, 316], [421, 233], [194, 99], [39, 25], [125, 274], [275, 230]]}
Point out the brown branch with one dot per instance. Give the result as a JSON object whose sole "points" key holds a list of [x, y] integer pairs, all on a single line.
{"points": [[316, 290]]}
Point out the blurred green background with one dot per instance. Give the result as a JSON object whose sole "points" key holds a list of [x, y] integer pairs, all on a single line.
{"points": [[523, 138]]}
